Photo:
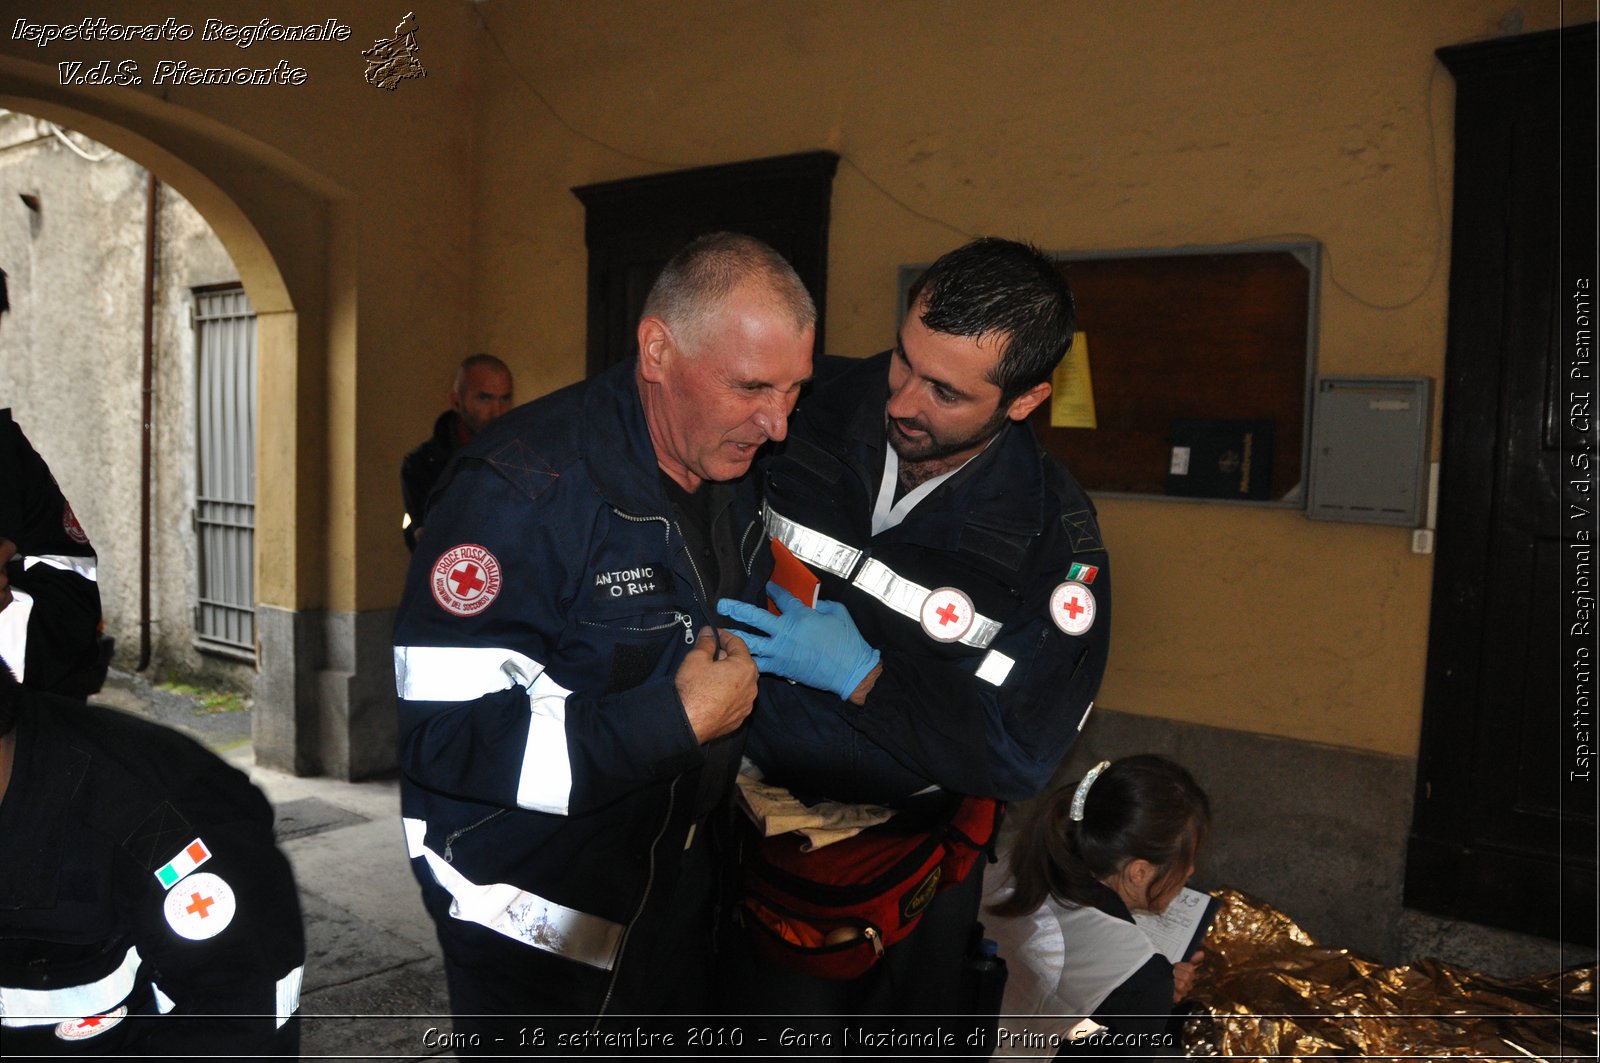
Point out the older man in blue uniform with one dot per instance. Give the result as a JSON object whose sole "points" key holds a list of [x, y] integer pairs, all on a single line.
{"points": [[569, 718]]}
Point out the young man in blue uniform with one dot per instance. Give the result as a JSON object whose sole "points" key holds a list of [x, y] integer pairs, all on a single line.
{"points": [[569, 717], [964, 610]]}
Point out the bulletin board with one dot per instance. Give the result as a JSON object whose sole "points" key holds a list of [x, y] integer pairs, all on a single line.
{"points": [[1201, 354]]}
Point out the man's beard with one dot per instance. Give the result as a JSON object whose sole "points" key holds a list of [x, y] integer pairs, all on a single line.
{"points": [[930, 447]]}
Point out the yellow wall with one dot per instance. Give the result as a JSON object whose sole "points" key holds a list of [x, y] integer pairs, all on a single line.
{"points": [[1081, 125]]}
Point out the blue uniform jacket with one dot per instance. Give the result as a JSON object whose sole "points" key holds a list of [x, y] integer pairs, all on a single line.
{"points": [[989, 715], [140, 880], [550, 775]]}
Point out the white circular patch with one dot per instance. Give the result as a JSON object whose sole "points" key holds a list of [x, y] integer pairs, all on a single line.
{"points": [[947, 614], [200, 907], [1072, 607], [78, 1029], [466, 580]]}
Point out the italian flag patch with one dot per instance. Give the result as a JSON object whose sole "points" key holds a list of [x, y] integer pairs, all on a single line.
{"points": [[1082, 573], [193, 855]]}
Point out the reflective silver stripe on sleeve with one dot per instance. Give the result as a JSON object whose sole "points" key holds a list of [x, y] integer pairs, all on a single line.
{"points": [[995, 667], [164, 1003], [83, 566], [546, 781], [14, 632], [39, 1007], [906, 597], [464, 673], [1085, 718], [520, 915], [813, 547], [459, 673], [287, 989]]}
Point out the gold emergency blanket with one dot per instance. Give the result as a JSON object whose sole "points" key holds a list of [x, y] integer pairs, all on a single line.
{"points": [[1267, 989]]}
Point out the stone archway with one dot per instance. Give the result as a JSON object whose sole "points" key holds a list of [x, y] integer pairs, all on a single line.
{"points": [[285, 230]]}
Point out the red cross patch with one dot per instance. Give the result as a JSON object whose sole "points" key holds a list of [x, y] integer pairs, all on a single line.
{"points": [[200, 907], [947, 614], [78, 1029], [70, 525], [1072, 607], [466, 580]]}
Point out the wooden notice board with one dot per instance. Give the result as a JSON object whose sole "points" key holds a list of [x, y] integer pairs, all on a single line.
{"points": [[1190, 340]]}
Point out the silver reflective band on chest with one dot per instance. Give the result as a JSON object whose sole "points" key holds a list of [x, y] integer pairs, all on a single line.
{"points": [[875, 578], [46, 1007], [904, 596], [813, 547], [518, 914]]}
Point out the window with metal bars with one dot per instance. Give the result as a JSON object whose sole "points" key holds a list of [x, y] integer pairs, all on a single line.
{"points": [[225, 327]]}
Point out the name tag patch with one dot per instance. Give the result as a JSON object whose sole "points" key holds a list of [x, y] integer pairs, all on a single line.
{"points": [[632, 582]]}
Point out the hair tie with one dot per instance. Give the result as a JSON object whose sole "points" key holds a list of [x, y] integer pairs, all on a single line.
{"points": [[1082, 792]]}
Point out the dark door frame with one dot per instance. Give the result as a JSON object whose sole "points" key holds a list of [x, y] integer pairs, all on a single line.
{"points": [[634, 225], [1502, 833]]}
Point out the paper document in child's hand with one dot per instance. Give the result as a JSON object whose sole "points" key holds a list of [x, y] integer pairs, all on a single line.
{"points": [[1178, 931]]}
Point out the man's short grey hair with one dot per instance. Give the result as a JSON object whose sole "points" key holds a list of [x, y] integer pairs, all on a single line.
{"points": [[695, 282]]}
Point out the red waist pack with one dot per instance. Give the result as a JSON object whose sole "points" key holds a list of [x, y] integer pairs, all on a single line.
{"points": [[831, 912]]}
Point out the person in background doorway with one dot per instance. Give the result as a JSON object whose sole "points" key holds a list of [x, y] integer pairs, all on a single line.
{"points": [[481, 392]]}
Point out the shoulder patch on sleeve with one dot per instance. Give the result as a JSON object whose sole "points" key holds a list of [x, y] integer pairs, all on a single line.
{"points": [[70, 525], [526, 471], [465, 580], [163, 832], [187, 859], [1083, 532], [201, 907]]}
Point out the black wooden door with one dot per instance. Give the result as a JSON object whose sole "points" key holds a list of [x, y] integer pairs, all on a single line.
{"points": [[633, 226], [1503, 831]]}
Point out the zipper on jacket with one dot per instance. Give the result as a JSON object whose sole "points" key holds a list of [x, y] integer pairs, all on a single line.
{"points": [[699, 580], [750, 555], [450, 839], [678, 617], [649, 885], [666, 535]]}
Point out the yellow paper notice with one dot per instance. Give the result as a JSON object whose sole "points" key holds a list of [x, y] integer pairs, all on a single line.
{"points": [[1071, 392]]}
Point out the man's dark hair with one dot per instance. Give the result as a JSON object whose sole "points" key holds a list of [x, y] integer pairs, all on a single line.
{"points": [[1142, 807], [5, 300], [995, 286], [473, 361]]}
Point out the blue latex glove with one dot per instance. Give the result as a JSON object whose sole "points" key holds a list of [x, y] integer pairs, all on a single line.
{"points": [[818, 647]]}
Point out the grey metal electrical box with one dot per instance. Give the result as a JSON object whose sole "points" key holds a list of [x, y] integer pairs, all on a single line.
{"points": [[1369, 450]]}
